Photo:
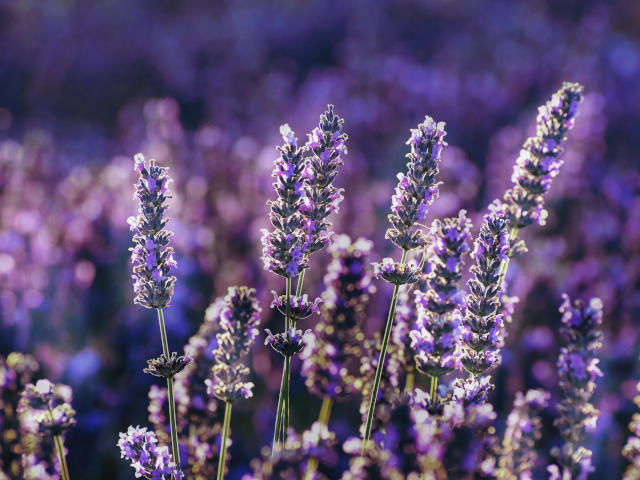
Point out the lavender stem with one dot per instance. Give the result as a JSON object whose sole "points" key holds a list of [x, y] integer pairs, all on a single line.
{"points": [[225, 435], [383, 354], [60, 451], [172, 405]]}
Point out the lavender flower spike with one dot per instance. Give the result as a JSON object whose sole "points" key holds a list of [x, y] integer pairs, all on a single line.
{"points": [[152, 257], [153, 261], [518, 454], [327, 143], [577, 370], [239, 318], [482, 322], [283, 248], [414, 194], [147, 459], [418, 189], [46, 408], [539, 160], [435, 336]]}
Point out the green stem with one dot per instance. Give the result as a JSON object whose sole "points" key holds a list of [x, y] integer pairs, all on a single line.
{"points": [[278, 428], [170, 395], [409, 382], [433, 391], [380, 367], [57, 439], [301, 279], [285, 422], [325, 413], [513, 234], [223, 444]]}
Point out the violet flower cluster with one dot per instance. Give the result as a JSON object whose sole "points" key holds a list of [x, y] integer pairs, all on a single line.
{"points": [[539, 160], [239, 318], [631, 449], [152, 257], [148, 460], [482, 322], [435, 336], [283, 249], [577, 372], [327, 144], [330, 359], [518, 454]]}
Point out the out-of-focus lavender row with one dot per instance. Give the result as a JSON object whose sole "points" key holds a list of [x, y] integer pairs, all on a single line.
{"points": [[202, 89]]}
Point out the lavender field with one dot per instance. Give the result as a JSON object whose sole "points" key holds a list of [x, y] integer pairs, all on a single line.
{"points": [[317, 240]]}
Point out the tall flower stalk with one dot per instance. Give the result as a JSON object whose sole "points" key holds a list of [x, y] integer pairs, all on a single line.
{"points": [[414, 194], [577, 372], [537, 165], [283, 253], [239, 318], [153, 262]]}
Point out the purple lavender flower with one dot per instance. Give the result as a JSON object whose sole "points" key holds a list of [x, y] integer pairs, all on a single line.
{"points": [[327, 144], [482, 323], [152, 257], [239, 318], [147, 459], [435, 335], [418, 189], [300, 307], [288, 343], [577, 371], [539, 160], [45, 408], [397, 273], [518, 454], [330, 359], [283, 248]]}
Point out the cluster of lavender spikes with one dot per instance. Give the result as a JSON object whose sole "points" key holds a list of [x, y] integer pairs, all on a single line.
{"points": [[577, 371], [449, 328], [435, 336]]}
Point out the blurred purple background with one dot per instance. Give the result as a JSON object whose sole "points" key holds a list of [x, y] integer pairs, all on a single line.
{"points": [[203, 87]]}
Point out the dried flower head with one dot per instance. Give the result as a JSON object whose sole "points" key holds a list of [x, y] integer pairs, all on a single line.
{"points": [[396, 272], [167, 367], [288, 343]]}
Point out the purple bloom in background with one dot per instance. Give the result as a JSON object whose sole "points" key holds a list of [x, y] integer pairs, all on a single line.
{"points": [[518, 454], [239, 318], [331, 356], [418, 189], [327, 144], [631, 449], [482, 322], [152, 257], [283, 248], [539, 160], [577, 371], [148, 460]]}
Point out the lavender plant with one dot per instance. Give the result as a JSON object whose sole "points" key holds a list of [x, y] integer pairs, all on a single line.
{"points": [[518, 454], [239, 318], [577, 371], [153, 262], [149, 460], [306, 196], [46, 409], [435, 335], [414, 194]]}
